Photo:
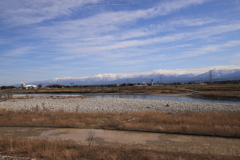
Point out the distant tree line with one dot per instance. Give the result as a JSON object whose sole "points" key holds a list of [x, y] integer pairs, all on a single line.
{"points": [[7, 87], [124, 84]]}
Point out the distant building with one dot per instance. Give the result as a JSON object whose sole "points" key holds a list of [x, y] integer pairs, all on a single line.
{"points": [[141, 84], [202, 83], [24, 86]]}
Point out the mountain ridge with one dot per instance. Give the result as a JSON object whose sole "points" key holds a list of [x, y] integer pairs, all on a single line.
{"points": [[160, 76]]}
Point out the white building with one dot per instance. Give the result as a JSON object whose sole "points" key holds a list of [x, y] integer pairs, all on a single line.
{"points": [[24, 86]]}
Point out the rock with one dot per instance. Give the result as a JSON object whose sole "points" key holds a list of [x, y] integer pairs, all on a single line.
{"points": [[115, 105]]}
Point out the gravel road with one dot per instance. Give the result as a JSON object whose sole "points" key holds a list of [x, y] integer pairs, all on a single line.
{"points": [[74, 104]]}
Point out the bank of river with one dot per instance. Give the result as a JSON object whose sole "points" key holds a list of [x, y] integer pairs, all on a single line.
{"points": [[161, 142]]}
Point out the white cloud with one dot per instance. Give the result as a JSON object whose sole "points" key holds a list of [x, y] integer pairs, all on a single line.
{"points": [[24, 12], [214, 30], [48, 67], [171, 6], [90, 36], [237, 55], [5, 41], [88, 33], [210, 48], [129, 16], [164, 27], [192, 22], [175, 37], [165, 55], [112, 43], [19, 51], [28, 12]]}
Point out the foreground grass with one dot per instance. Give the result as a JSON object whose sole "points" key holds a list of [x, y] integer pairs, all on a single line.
{"points": [[68, 150], [208, 123], [224, 124]]}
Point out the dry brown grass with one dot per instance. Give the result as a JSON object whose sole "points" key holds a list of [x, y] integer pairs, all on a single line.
{"points": [[225, 124], [68, 150], [207, 123], [151, 90], [224, 92], [122, 90], [214, 87], [228, 95]]}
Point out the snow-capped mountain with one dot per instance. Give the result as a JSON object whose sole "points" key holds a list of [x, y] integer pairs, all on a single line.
{"points": [[161, 76]]}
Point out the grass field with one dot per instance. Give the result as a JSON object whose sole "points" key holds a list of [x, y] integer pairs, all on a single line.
{"points": [[204, 123], [211, 123]]}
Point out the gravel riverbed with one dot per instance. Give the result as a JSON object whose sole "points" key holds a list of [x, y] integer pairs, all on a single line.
{"points": [[73, 104]]}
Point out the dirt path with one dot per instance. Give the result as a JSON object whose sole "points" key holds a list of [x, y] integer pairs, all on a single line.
{"points": [[153, 141]]}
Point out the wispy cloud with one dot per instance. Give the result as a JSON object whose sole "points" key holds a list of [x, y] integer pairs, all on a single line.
{"points": [[237, 55], [183, 22], [207, 49], [163, 27], [130, 16], [114, 43], [49, 67], [28, 12], [19, 51], [88, 37], [5, 41], [210, 49], [96, 35]]}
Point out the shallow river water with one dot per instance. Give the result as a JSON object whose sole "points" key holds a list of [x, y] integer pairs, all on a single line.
{"points": [[145, 96], [160, 97]]}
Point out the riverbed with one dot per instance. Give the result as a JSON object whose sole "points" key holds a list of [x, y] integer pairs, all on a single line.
{"points": [[119, 105]]}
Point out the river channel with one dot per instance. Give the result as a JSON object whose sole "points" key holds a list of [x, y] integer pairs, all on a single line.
{"points": [[164, 142], [160, 97], [145, 96]]}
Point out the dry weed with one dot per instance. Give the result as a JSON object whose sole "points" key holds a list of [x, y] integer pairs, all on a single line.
{"points": [[62, 150], [226, 124]]}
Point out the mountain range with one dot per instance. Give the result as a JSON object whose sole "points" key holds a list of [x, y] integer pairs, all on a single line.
{"points": [[158, 76]]}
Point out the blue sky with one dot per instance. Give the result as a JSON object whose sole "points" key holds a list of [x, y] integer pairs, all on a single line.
{"points": [[45, 39]]}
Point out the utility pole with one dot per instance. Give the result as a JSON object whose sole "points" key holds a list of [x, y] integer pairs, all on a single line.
{"points": [[210, 76], [72, 84]]}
